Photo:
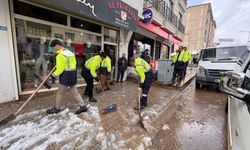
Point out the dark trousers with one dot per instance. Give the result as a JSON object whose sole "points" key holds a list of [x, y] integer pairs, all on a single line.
{"points": [[185, 69], [89, 81], [146, 86], [179, 72], [120, 74]]}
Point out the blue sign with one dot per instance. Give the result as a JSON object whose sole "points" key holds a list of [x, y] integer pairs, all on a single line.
{"points": [[3, 28], [147, 16]]}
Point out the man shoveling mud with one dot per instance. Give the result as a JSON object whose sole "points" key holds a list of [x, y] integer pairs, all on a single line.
{"points": [[145, 72], [66, 70]]}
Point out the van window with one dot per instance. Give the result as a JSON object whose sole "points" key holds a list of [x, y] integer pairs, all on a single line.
{"points": [[225, 53]]}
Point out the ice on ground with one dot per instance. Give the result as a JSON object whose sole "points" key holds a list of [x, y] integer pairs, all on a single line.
{"points": [[36, 130], [147, 141], [39, 131], [165, 127], [140, 147]]}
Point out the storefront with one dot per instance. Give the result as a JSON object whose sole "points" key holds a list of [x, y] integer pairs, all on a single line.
{"points": [[160, 42], [84, 28]]}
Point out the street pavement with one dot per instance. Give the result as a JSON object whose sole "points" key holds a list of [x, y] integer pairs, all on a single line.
{"points": [[200, 123], [165, 115]]}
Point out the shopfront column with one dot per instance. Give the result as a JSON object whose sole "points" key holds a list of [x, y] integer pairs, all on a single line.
{"points": [[8, 81]]}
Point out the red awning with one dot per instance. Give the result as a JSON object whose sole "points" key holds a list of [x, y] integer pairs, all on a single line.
{"points": [[152, 27], [176, 40]]}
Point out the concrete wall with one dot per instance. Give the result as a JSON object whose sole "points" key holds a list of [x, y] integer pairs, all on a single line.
{"points": [[8, 82]]}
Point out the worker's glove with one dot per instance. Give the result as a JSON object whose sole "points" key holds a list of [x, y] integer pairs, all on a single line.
{"points": [[97, 79], [52, 77], [141, 85]]}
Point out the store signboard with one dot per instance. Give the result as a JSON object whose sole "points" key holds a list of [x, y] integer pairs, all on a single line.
{"points": [[147, 16], [152, 27], [3, 28], [114, 12]]}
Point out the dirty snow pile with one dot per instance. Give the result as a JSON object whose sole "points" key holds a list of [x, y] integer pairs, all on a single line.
{"points": [[36, 130]]}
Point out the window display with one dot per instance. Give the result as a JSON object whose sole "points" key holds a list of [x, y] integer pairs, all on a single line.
{"points": [[110, 35], [139, 47], [35, 55]]}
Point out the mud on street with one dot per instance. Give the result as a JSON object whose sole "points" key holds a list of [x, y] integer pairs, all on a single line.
{"points": [[181, 119], [201, 123]]}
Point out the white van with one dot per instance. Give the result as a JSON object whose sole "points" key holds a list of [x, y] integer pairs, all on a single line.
{"points": [[237, 85], [214, 61]]}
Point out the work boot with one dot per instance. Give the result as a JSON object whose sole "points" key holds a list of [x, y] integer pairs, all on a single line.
{"points": [[53, 110], [137, 108], [107, 89], [81, 109], [91, 99]]}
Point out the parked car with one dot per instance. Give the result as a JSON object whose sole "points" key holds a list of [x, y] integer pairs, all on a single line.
{"points": [[214, 61], [237, 85]]}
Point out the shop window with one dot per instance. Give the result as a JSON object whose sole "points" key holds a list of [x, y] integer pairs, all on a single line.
{"points": [[140, 47], [39, 13], [36, 56], [110, 35], [85, 25]]}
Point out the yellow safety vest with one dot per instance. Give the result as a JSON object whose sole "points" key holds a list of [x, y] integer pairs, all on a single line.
{"points": [[65, 61], [141, 66], [93, 64], [106, 63], [184, 56]]}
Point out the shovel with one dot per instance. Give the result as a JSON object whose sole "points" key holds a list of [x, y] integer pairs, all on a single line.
{"points": [[139, 108], [13, 116]]}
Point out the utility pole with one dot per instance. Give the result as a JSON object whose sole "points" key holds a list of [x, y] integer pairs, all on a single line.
{"points": [[248, 39]]}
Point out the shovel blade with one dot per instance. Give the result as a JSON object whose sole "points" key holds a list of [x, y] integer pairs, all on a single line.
{"points": [[7, 119], [141, 121]]}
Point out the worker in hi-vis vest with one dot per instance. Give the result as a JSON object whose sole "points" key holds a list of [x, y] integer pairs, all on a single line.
{"points": [[67, 73], [145, 72], [179, 62], [105, 71], [89, 73]]}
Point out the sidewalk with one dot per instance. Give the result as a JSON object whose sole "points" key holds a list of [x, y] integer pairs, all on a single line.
{"points": [[34, 129], [191, 71]]}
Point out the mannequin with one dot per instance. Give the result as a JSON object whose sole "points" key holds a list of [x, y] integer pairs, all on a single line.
{"points": [[69, 47], [41, 61]]}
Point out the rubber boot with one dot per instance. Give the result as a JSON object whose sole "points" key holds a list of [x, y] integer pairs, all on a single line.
{"points": [[82, 109], [53, 110], [91, 99]]}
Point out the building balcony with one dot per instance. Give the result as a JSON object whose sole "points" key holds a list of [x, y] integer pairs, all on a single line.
{"points": [[165, 16]]}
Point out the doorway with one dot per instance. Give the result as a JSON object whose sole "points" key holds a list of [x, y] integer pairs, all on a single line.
{"points": [[112, 52]]}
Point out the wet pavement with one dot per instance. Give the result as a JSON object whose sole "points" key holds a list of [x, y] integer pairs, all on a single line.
{"points": [[199, 124], [175, 119]]}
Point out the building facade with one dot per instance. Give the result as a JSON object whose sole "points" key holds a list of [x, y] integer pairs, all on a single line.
{"points": [[27, 28], [164, 33], [199, 27]]}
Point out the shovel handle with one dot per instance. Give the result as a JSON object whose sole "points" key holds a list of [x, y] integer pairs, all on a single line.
{"points": [[37, 89], [139, 98]]}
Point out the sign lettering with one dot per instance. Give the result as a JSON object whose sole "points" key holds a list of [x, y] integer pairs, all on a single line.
{"points": [[88, 5], [147, 16]]}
